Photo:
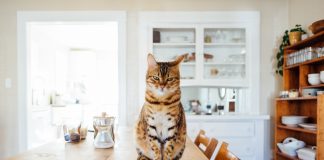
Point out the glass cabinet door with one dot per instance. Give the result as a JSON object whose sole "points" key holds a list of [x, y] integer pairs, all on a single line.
{"points": [[224, 53], [169, 43]]}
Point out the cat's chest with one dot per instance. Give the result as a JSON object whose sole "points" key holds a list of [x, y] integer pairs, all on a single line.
{"points": [[160, 118], [161, 121]]}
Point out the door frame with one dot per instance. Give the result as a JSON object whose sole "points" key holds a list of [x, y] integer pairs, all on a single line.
{"points": [[23, 57]]}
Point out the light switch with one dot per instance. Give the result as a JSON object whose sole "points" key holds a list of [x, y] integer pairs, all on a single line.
{"points": [[8, 83]]}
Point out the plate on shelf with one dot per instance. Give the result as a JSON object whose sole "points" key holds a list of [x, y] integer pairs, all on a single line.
{"points": [[310, 126]]}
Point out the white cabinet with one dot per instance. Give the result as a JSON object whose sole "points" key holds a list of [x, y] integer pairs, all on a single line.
{"points": [[246, 135], [223, 50], [216, 53]]}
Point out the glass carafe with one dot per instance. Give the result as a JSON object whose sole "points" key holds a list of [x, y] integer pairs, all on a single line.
{"points": [[104, 131]]}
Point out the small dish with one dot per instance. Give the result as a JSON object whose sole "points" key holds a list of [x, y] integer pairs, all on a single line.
{"points": [[309, 126], [293, 121]]}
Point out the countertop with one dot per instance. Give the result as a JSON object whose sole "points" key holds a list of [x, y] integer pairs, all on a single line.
{"points": [[228, 116]]}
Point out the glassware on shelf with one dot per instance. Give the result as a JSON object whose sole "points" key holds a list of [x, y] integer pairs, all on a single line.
{"points": [[302, 55], [213, 72], [236, 58], [236, 37], [218, 36], [320, 51]]}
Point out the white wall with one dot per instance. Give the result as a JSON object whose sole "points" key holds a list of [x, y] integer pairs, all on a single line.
{"points": [[305, 12], [276, 15]]}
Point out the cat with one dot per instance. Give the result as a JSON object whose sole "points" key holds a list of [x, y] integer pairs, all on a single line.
{"points": [[160, 131]]}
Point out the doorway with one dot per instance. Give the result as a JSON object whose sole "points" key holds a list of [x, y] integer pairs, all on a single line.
{"points": [[74, 69]]}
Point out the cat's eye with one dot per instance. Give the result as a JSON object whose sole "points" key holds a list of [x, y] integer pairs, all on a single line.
{"points": [[156, 78], [169, 79]]}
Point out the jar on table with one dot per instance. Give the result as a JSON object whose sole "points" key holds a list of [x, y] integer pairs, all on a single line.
{"points": [[71, 130]]}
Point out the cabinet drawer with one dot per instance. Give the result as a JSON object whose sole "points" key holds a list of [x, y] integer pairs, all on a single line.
{"points": [[229, 129]]}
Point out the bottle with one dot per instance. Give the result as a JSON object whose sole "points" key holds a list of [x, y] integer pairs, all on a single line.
{"points": [[209, 110]]}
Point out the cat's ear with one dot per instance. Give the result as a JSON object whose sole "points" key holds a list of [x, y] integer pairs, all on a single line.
{"points": [[151, 61], [179, 59]]}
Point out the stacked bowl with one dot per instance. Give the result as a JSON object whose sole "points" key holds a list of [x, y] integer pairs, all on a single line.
{"points": [[293, 121], [314, 78]]}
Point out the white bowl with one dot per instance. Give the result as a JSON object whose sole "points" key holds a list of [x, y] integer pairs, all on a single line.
{"points": [[293, 121], [314, 81], [322, 76], [314, 75]]}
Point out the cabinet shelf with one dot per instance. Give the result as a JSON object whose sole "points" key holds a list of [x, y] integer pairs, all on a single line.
{"points": [[313, 86], [297, 99], [174, 44], [224, 44], [298, 129]]}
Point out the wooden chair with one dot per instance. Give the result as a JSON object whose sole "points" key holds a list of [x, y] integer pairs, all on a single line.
{"points": [[210, 145], [225, 154]]}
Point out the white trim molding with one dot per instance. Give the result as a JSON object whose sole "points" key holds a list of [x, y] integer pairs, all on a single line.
{"points": [[23, 57]]}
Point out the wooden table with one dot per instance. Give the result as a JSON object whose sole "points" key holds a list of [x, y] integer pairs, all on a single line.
{"points": [[124, 149]]}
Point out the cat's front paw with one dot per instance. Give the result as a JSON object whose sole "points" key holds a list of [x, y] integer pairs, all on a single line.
{"points": [[141, 157]]}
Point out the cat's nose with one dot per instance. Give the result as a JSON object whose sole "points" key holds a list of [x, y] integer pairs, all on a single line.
{"points": [[162, 86]]}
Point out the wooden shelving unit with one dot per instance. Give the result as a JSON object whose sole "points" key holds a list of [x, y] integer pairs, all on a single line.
{"points": [[295, 77]]}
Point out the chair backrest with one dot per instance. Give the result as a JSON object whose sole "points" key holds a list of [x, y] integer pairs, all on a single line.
{"points": [[210, 145], [225, 154]]}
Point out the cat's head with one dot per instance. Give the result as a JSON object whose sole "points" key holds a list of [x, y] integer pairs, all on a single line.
{"points": [[163, 77]]}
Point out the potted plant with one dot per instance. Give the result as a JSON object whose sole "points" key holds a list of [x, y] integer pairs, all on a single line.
{"points": [[295, 34], [280, 53], [289, 38]]}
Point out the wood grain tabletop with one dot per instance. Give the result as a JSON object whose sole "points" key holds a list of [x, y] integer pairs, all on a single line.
{"points": [[124, 149]]}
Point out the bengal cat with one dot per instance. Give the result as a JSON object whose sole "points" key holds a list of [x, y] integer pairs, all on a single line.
{"points": [[161, 128]]}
